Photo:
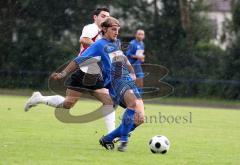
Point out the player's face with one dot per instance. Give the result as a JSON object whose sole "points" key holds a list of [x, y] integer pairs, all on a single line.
{"points": [[112, 33], [140, 35], [101, 17]]}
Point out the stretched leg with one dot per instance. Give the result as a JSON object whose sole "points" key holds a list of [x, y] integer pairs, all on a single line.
{"points": [[135, 104], [134, 111], [54, 101], [71, 98], [107, 108]]}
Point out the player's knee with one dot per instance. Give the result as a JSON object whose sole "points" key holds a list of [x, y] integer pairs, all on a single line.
{"points": [[68, 104], [132, 104], [141, 120], [107, 102]]}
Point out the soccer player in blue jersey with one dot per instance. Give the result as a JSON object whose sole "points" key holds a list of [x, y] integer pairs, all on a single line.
{"points": [[81, 79], [118, 76], [135, 54]]}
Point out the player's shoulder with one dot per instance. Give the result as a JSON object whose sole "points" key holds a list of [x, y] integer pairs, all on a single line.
{"points": [[133, 42], [91, 26], [100, 41], [99, 44]]}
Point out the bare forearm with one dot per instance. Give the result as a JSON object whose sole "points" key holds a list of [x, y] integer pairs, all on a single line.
{"points": [[72, 66], [130, 68], [137, 57]]}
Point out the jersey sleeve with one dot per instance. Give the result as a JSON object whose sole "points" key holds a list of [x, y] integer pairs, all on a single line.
{"points": [[131, 50], [92, 51], [89, 31]]}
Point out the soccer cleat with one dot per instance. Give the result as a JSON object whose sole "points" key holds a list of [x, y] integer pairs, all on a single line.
{"points": [[106, 144], [117, 139], [32, 101], [122, 147]]}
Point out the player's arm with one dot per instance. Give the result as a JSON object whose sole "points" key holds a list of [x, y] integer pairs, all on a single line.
{"points": [[77, 62], [138, 57], [130, 68], [72, 66], [131, 52], [85, 41]]}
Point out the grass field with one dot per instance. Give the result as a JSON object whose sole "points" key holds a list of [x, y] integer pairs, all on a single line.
{"points": [[204, 136]]}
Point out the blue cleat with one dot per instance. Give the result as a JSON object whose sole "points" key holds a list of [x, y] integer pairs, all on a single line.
{"points": [[106, 144]]}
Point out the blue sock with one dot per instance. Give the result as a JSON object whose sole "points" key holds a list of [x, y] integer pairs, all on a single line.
{"points": [[133, 127], [117, 133], [112, 135], [127, 124]]}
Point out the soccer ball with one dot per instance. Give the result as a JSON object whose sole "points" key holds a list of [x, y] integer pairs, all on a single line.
{"points": [[159, 144]]}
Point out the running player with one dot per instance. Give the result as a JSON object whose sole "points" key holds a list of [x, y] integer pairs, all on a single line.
{"points": [[135, 54], [118, 76], [90, 34]]}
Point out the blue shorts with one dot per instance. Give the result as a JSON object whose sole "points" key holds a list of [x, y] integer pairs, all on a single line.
{"points": [[138, 70], [118, 87]]}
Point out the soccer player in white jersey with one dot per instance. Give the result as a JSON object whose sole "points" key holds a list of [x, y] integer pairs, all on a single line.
{"points": [[90, 34]]}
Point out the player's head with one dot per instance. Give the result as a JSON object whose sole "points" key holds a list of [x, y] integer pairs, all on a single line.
{"points": [[100, 14], [140, 35], [110, 28]]}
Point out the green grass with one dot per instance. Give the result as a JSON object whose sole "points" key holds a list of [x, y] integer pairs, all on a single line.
{"points": [[200, 102], [37, 137]]}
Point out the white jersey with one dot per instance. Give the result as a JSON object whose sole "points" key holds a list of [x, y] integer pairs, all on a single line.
{"points": [[91, 31]]}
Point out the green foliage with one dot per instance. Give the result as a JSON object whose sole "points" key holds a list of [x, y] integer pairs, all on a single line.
{"points": [[236, 16], [233, 58], [42, 45]]}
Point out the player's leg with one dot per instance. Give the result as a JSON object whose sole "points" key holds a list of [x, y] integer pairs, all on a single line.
{"points": [[38, 98], [139, 75], [72, 97], [134, 111], [107, 108], [132, 117], [54, 101]]}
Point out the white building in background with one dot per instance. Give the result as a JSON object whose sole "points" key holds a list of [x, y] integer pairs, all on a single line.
{"points": [[219, 13]]}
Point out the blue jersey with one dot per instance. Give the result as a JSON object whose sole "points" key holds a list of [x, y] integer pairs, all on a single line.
{"points": [[113, 61], [114, 67], [135, 48]]}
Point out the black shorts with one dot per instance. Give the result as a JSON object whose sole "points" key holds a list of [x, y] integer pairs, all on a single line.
{"points": [[81, 81]]}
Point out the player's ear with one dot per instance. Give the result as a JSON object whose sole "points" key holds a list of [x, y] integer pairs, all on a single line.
{"points": [[94, 17], [104, 29]]}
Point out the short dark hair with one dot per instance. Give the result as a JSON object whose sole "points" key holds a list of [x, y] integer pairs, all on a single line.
{"points": [[98, 10]]}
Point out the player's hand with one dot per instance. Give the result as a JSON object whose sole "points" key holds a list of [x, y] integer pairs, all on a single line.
{"points": [[133, 76], [142, 58], [58, 76]]}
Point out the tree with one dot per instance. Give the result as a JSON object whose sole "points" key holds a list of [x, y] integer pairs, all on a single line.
{"points": [[32, 36], [233, 59]]}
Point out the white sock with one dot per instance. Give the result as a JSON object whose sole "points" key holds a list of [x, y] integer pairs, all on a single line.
{"points": [[109, 118], [54, 101]]}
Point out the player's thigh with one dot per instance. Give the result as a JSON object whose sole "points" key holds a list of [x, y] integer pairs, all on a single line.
{"points": [[103, 96]]}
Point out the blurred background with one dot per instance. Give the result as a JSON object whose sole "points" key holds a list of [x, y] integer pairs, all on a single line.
{"points": [[197, 40]]}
